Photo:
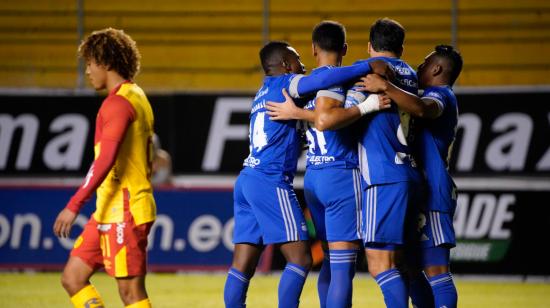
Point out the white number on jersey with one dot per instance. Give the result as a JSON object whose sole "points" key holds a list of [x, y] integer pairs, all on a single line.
{"points": [[259, 137], [321, 141]]}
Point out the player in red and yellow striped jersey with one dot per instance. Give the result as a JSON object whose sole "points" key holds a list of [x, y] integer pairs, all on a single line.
{"points": [[116, 235]]}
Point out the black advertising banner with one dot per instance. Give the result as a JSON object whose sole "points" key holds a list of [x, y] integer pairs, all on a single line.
{"points": [[502, 232], [498, 134], [501, 221]]}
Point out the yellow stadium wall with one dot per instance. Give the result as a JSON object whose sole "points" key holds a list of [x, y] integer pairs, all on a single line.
{"points": [[213, 45]]}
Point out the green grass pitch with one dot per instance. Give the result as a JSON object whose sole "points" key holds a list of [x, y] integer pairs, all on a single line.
{"points": [[206, 290]]}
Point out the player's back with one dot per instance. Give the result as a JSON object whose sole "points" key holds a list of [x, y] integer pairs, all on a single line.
{"points": [[274, 145], [384, 154], [435, 141], [128, 184], [330, 148]]}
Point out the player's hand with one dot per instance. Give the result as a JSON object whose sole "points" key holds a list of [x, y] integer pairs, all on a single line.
{"points": [[382, 68], [384, 101], [286, 110], [64, 222], [373, 83]]}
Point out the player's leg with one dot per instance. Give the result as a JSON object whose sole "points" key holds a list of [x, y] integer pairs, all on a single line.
{"points": [[245, 260], [85, 259], [410, 264], [291, 231], [436, 257], [248, 247], [298, 257], [132, 291], [125, 254], [343, 217], [317, 210], [384, 213]]}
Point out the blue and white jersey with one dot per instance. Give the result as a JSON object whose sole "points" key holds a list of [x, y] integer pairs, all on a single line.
{"points": [[330, 148], [384, 153], [274, 145], [435, 142]]}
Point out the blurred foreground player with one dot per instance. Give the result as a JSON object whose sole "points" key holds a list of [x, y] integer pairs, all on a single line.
{"points": [[438, 106], [116, 235]]}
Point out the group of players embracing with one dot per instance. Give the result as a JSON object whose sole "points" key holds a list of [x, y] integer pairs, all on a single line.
{"points": [[376, 177]]}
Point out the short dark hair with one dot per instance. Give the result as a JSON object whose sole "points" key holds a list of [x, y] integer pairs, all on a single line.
{"points": [[452, 55], [329, 35], [114, 49], [272, 53], [387, 35]]}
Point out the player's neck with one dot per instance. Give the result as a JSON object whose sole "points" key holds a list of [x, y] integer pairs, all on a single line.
{"points": [[387, 54], [113, 80], [328, 58]]}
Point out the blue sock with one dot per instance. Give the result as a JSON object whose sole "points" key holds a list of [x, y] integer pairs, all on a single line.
{"points": [[444, 290], [342, 270], [393, 288], [291, 284], [420, 292], [236, 285], [323, 282]]}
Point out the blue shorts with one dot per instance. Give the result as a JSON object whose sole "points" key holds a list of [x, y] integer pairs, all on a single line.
{"points": [[333, 196], [436, 229], [385, 210], [266, 211]]}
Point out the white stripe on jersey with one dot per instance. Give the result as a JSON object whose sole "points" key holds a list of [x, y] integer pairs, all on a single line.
{"points": [[293, 221], [374, 215], [358, 201], [293, 87], [363, 163], [333, 95], [442, 235], [281, 205]]}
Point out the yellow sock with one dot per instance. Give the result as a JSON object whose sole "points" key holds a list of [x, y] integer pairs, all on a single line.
{"points": [[87, 297], [144, 303]]}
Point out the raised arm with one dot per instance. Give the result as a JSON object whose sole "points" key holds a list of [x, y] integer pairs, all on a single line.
{"points": [[302, 84], [419, 107]]}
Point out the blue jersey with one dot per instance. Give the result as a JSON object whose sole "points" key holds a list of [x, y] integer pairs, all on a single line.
{"points": [[435, 142], [330, 148], [384, 153], [274, 145]]}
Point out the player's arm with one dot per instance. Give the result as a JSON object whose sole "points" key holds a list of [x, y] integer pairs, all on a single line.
{"points": [[117, 114], [419, 107], [302, 84], [288, 110], [328, 113]]}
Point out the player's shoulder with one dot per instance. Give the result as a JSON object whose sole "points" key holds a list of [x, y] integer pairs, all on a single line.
{"points": [[441, 94]]}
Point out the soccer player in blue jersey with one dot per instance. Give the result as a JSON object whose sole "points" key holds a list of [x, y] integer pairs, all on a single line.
{"points": [[332, 183], [438, 106], [265, 205], [389, 172]]}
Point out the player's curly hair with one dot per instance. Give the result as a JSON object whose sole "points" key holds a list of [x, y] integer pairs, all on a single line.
{"points": [[114, 49]]}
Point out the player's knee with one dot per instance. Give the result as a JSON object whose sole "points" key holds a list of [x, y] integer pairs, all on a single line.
{"points": [[130, 295], [375, 268], [71, 283], [304, 260]]}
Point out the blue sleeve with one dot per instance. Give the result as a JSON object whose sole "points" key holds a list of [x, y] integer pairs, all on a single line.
{"points": [[301, 84]]}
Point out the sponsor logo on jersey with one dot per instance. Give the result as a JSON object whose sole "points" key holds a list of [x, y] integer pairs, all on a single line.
{"points": [[251, 162]]}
